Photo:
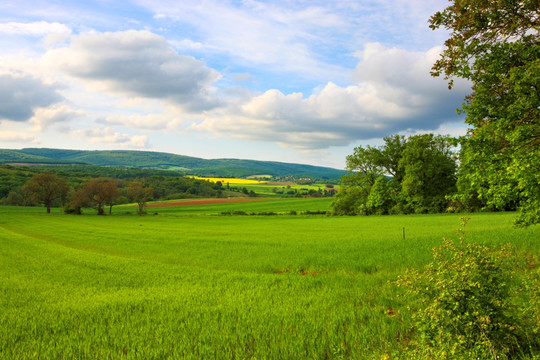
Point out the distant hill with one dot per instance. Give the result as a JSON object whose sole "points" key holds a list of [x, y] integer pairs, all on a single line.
{"points": [[166, 161]]}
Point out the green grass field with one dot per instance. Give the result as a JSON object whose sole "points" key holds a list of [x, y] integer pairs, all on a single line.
{"points": [[177, 285], [277, 205]]}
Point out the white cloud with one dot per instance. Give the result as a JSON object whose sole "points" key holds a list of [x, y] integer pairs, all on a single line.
{"points": [[110, 137], [14, 136], [154, 122], [61, 114], [394, 92], [21, 95], [136, 63], [39, 28], [313, 39], [280, 36]]}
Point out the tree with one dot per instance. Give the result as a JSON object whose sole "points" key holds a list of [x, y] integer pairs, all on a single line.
{"points": [[373, 162], [379, 200], [429, 172], [100, 192], [79, 199], [405, 175], [137, 192], [495, 45], [45, 188]]}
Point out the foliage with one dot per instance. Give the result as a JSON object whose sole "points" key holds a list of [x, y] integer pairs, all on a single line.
{"points": [[422, 173], [495, 45], [100, 192], [428, 166], [379, 200], [166, 184], [468, 304], [137, 192], [353, 194], [45, 188]]}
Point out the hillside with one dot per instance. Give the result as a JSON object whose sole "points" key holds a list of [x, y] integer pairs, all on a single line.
{"points": [[166, 161]]}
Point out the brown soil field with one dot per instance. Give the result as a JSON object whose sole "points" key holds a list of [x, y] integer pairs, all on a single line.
{"points": [[205, 201]]}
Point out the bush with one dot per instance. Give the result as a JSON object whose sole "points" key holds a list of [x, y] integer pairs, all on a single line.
{"points": [[470, 305]]}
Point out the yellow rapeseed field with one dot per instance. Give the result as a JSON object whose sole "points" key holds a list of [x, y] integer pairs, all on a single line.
{"points": [[231, 180]]}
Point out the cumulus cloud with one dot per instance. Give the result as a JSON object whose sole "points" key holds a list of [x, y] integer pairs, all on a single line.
{"points": [[393, 92], [44, 117], [20, 96], [110, 137], [137, 63]]}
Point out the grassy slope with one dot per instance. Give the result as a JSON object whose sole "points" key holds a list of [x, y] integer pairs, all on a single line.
{"points": [[207, 286]]}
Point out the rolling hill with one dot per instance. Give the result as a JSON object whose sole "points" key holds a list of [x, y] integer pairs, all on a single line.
{"points": [[165, 161]]}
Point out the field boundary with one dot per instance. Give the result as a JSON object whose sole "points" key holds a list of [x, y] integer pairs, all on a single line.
{"points": [[208, 201]]}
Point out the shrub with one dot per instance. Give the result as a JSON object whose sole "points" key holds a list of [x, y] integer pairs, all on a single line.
{"points": [[469, 304]]}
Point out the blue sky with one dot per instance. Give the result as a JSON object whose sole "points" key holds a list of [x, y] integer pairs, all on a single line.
{"points": [[293, 81]]}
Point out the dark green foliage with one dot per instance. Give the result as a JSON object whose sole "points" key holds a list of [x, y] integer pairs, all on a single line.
{"points": [[428, 167], [406, 175], [496, 46], [467, 303]]}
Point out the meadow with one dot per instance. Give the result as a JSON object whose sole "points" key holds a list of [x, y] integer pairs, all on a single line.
{"points": [[190, 283]]}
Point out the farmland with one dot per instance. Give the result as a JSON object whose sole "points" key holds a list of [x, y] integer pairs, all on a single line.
{"points": [[188, 282]]}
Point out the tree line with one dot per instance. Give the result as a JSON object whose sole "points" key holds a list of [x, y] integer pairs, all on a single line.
{"points": [[405, 175], [495, 45], [75, 190], [46, 188]]}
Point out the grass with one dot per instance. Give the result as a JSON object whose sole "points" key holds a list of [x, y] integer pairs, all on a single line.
{"points": [[182, 286], [277, 205]]}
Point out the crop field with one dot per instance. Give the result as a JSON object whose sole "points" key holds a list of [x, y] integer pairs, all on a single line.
{"points": [[191, 283], [263, 187], [257, 206], [231, 181]]}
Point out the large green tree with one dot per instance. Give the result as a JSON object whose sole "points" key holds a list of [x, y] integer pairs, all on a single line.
{"points": [[405, 175], [429, 166], [495, 44]]}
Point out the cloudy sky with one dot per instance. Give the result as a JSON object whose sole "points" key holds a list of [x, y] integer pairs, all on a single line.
{"points": [[295, 80]]}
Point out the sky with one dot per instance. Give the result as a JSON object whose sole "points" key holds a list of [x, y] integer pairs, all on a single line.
{"points": [[303, 81]]}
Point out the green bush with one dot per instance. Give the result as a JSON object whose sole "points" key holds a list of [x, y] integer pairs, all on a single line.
{"points": [[474, 303]]}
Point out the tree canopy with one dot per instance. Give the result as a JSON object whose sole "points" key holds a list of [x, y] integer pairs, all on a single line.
{"points": [[495, 45], [405, 175], [140, 194], [45, 188]]}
